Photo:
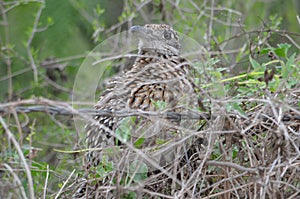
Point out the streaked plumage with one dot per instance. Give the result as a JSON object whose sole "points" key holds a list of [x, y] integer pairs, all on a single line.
{"points": [[159, 74]]}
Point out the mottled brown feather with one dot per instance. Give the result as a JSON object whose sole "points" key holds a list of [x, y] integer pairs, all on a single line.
{"points": [[158, 74]]}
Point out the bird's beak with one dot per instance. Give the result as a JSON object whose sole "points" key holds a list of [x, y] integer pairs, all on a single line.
{"points": [[140, 32], [137, 29], [143, 37]]}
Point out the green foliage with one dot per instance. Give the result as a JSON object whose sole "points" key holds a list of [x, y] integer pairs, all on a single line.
{"points": [[105, 167], [130, 195], [254, 83], [159, 105], [123, 132], [139, 142], [138, 171], [39, 172]]}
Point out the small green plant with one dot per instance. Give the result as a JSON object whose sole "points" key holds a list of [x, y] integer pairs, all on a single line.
{"points": [[275, 75]]}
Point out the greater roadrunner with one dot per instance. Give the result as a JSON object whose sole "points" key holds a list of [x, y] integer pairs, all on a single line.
{"points": [[159, 80]]}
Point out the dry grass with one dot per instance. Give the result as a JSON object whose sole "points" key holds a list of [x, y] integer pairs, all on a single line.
{"points": [[255, 155]]}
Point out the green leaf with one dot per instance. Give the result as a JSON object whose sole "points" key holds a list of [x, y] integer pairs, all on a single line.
{"points": [[266, 51], [255, 65], [282, 50], [287, 69], [139, 142], [160, 105], [139, 170], [161, 141], [236, 107], [290, 62], [130, 195], [234, 152], [99, 10], [273, 85], [50, 21], [123, 132]]}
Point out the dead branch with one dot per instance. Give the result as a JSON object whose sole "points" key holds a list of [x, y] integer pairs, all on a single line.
{"points": [[63, 108]]}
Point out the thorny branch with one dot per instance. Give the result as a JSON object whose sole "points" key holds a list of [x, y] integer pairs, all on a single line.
{"points": [[64, 108], [61, 108]]}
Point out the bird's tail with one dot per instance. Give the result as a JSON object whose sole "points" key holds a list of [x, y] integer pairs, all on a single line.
{"points": [[98, 136]]}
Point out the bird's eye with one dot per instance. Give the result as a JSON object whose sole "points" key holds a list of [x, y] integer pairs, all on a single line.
{"points": [[167, 35]]}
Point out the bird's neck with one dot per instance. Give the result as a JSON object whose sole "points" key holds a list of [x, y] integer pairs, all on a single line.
{"points": [[145, 57], [153, 53]]}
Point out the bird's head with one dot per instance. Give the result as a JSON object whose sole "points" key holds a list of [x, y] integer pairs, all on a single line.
{"points": [[160, 38]]}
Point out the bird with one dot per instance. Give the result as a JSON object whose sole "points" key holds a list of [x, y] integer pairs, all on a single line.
{"points": [[158, 80]]}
